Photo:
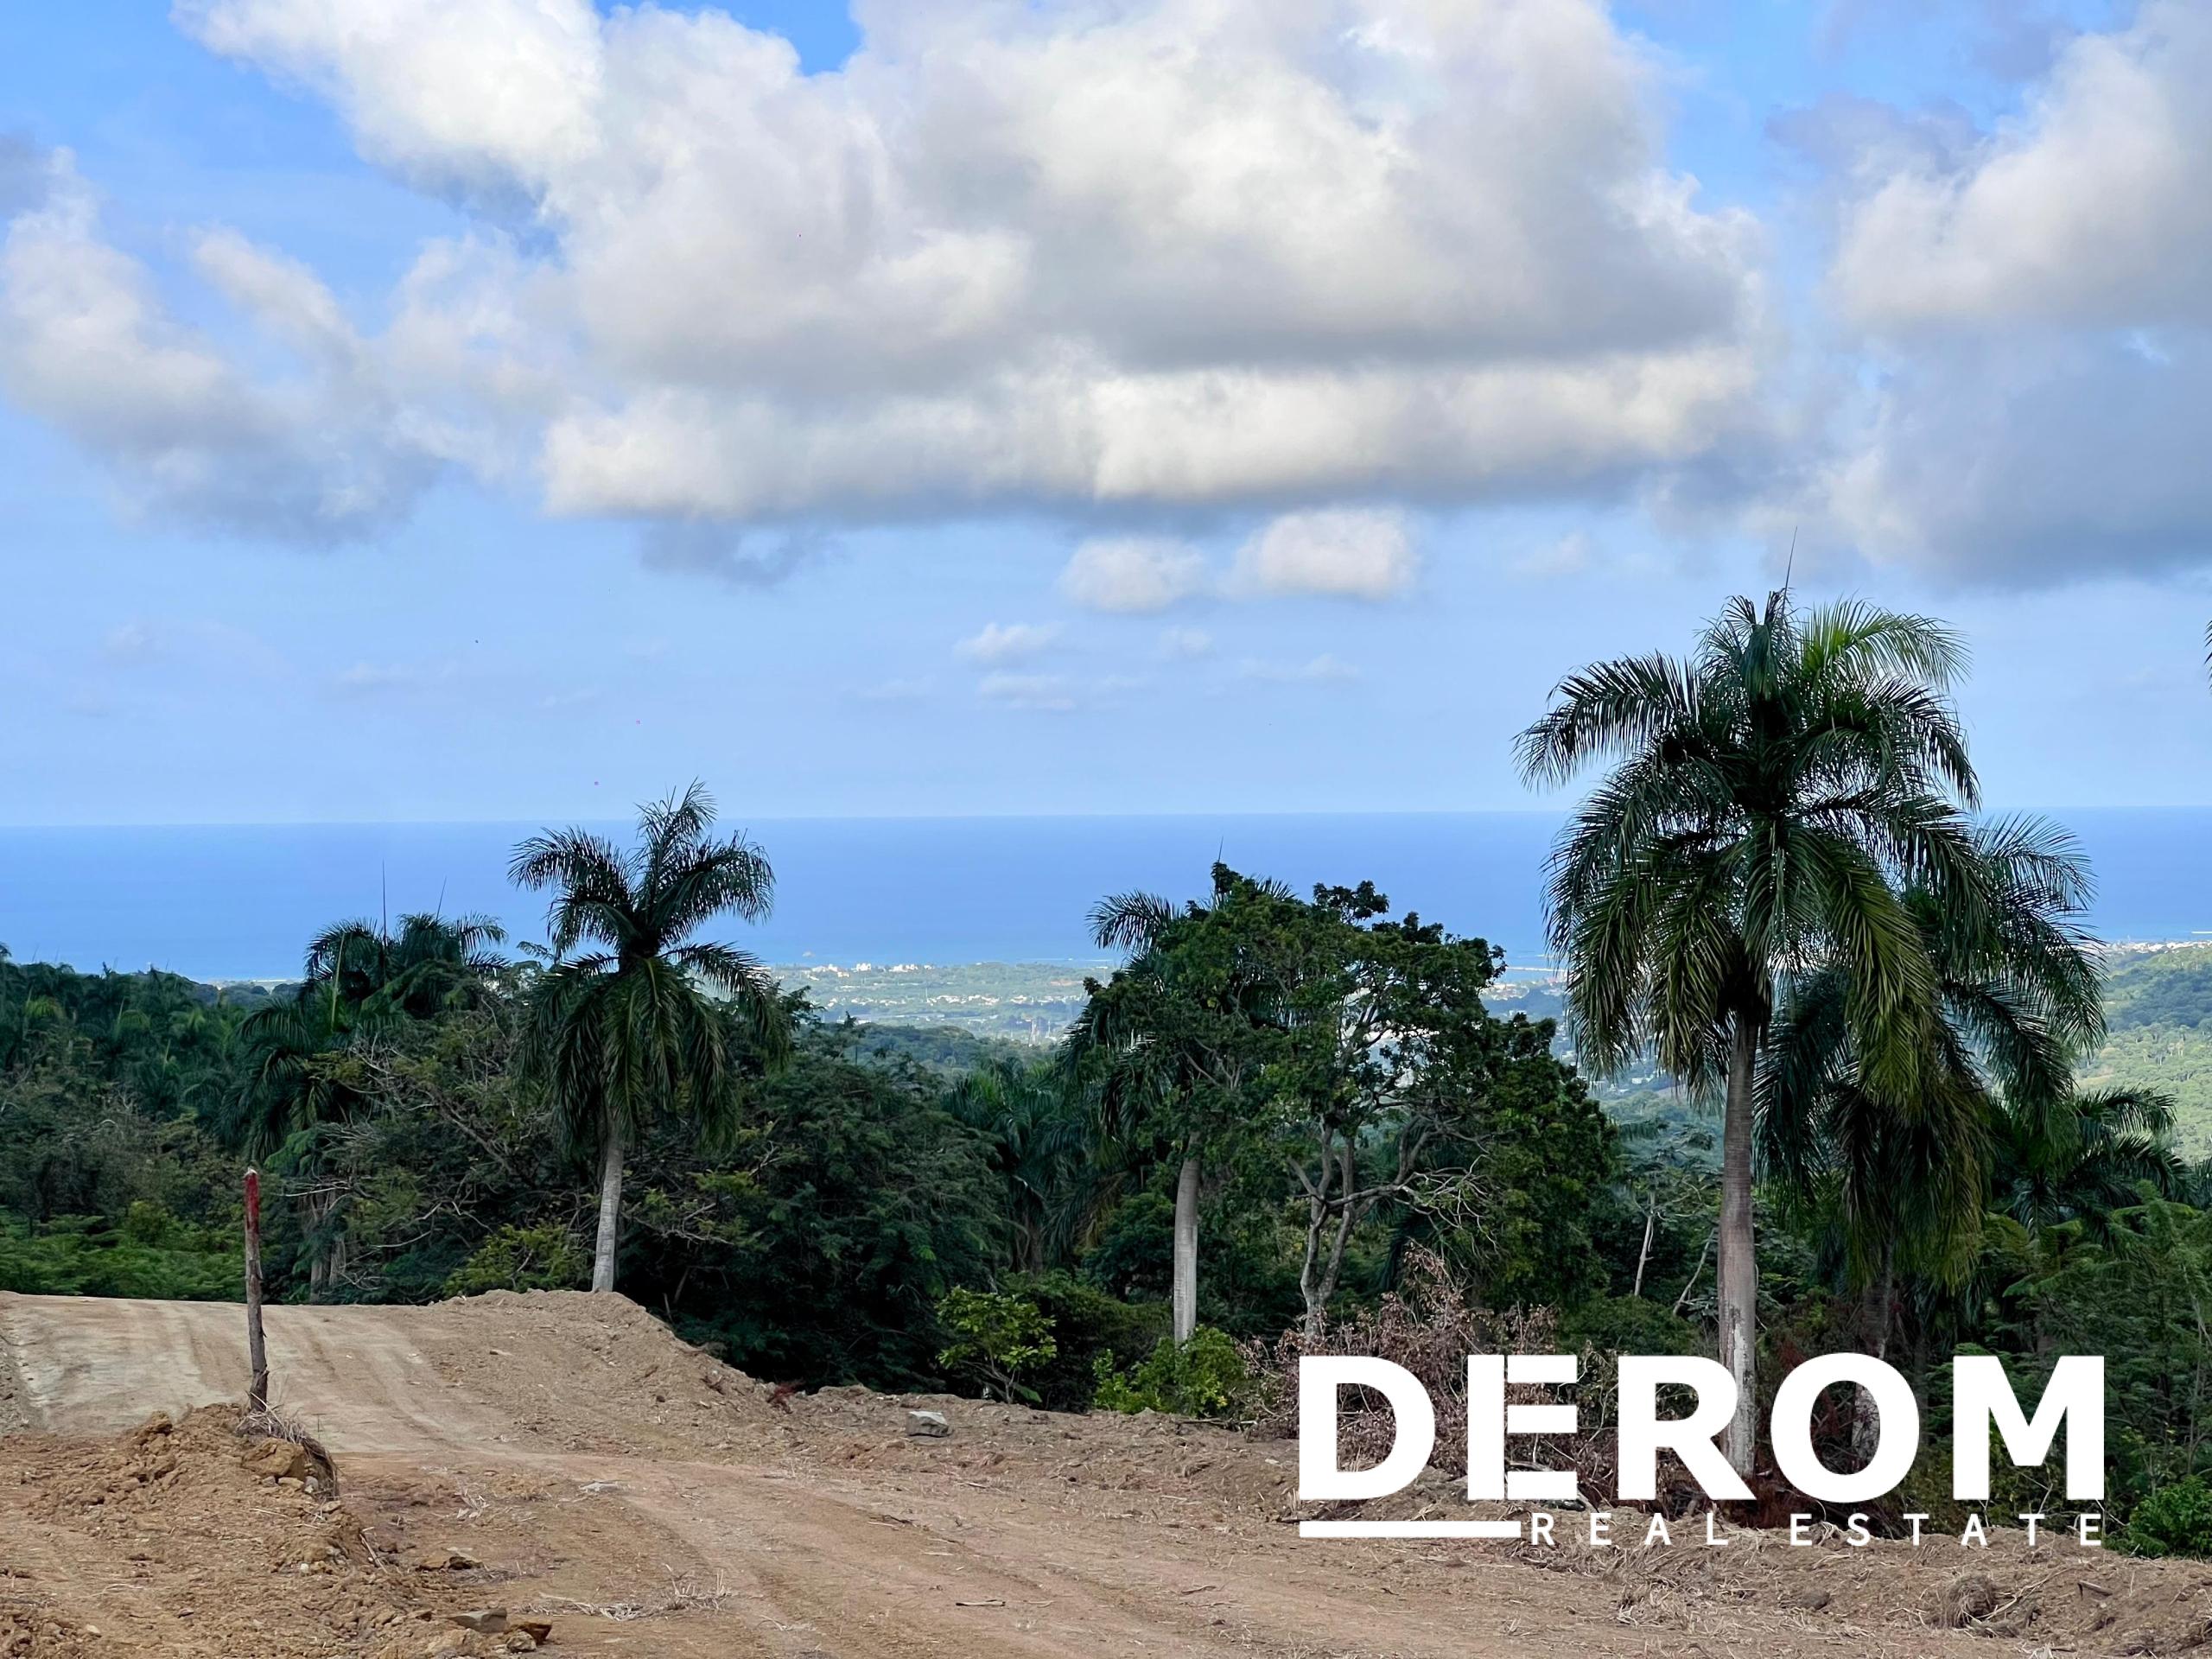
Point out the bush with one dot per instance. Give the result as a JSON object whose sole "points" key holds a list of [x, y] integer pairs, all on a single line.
{"points": [[1629, 1324], [150, 1254], [522, 1258], [2176, 1519], [997, 1336], [1086, 1323], [1204, 1378]]}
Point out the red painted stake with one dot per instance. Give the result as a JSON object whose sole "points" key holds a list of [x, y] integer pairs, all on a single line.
{"points": [[256, 1352]]}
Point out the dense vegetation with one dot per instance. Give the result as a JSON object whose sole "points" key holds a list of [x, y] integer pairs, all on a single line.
{"points": [[1285, 1119], [2158, 1009]]}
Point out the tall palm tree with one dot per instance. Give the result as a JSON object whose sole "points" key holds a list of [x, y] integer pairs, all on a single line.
{"points": [[1772, 794], [648, 1022]]}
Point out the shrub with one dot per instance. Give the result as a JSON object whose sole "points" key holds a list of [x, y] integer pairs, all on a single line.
{"points": [[1205, 1376], [521, 1258], [997, 1336], [1086, 1323], [74, 1255], [2176, 1519]]}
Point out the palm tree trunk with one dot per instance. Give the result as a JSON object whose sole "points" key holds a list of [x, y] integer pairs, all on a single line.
{"points": [[610, 1209], [1737, 1271], [1185, 1285]]}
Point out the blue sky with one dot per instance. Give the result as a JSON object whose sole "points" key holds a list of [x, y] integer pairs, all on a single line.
{"points": [[381, 446]]}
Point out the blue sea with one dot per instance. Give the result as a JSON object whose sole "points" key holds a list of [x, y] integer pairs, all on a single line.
{"points": [[238, 902]]}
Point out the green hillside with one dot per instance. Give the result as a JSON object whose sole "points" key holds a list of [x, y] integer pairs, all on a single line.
{"points": [[2158, 1005]]}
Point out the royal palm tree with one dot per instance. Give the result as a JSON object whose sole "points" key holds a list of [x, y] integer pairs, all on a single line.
{"points": [[648, 1022], [1772, 796]]}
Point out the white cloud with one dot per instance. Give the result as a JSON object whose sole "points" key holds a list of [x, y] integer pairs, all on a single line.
{"points": [[1186, 643], [1136, 575], [393, 680], [88, 344], [1058, 694], [1008, 642], [1339, 553], [2091, 209], [2037, 309], [1228, 253], [1054, 693]]}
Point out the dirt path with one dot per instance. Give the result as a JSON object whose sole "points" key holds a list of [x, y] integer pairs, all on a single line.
{"points": [[592, 1469]]}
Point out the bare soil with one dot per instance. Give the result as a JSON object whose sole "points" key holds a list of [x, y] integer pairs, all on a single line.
{"points": [[565, 1461]]}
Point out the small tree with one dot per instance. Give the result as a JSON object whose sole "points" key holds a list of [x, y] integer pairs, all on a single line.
{"points": [[998, 1336]]}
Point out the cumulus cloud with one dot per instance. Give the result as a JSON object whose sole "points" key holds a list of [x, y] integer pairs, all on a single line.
{"points": [[1186, 643], [322, 453], [1215, 253], [2035, 305], [1008, 642], [1136, 574], [1338, 553], [2091, 209]]}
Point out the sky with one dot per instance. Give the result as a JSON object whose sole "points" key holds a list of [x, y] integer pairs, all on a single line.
{"points": [[508, 410]]}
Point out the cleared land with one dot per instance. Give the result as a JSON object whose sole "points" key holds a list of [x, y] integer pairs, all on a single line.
{"points": [[566, 1459]]}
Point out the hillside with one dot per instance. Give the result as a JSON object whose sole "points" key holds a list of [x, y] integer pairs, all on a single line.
{"points": [[2158, 1006]]}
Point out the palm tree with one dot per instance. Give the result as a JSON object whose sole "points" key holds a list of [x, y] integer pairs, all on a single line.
{"points": [[649, 1022], [1904, 1179], [2085, 1156], [297, 1089], [431, 964], [1035, 1123], [1770, 795]]}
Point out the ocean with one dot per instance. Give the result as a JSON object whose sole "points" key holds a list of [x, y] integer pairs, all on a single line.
{"points": [[239, 901]]}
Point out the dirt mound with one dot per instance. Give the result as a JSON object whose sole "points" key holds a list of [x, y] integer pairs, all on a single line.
{"points": [[592, 1373], [204, 1535]]}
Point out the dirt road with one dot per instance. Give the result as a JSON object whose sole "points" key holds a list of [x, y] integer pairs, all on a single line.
{"points": [[585, 1464]]}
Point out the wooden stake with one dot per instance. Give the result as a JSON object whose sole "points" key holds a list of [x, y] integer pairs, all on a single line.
{"points": [[257, 1351]]}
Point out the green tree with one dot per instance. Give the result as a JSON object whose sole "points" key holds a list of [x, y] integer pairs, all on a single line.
{"points": [[305, 1084], [2083, 1156], [1182, 1035], [998, 1335], [649, 1022], [1770, 796], [432, 964]]}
